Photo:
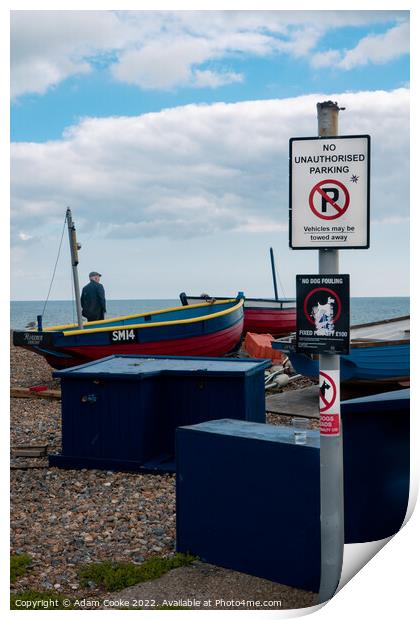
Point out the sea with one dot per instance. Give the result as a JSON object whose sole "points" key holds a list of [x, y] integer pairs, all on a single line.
{"points": [[362, 309]]}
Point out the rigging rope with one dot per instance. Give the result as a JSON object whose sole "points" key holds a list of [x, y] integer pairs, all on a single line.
{"points": [[282, 288], [55, 267], [281, 284]]}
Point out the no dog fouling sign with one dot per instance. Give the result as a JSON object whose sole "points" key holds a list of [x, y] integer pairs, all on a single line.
{"points": [[323, 313], [329, 188]]}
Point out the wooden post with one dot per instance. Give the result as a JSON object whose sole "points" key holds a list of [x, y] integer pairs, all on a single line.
{"points": [[74, 263]]}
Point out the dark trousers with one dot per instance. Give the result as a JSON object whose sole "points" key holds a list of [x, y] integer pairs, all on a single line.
{"points": [[99, 316]]}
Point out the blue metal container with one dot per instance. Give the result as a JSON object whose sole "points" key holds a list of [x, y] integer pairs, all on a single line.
{"points": [[246, 500], [376, 453], [121, 412], [248, 497]]}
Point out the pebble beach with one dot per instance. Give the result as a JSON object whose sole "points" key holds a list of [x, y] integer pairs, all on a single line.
{"points": [[66, 518]]}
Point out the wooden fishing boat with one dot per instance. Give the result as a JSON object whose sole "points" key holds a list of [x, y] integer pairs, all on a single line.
{"points": [[261, 316], [379, 352], [197, 330]]}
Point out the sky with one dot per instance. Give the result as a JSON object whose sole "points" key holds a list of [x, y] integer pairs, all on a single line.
{"points": [[167, 133]]}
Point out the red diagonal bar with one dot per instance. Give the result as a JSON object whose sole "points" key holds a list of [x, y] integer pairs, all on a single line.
{"points": [[325, 401]]}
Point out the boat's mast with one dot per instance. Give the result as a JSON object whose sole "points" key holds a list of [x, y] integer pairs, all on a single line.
{"points": [[74, 262], [273, 271]]}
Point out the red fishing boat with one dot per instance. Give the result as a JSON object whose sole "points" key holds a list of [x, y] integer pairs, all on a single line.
{"points": [[261, 316]]}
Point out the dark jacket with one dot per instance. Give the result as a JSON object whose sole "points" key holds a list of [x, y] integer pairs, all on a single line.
{"points": [[93, 301]]}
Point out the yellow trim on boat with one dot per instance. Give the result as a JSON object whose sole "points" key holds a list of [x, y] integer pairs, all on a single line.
{"points": [[55, 328], [158, 324]]}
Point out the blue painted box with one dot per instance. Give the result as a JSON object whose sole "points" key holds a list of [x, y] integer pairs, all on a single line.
{"points": [[245, 500], [248, 497], [121, 412], [376, 455]]}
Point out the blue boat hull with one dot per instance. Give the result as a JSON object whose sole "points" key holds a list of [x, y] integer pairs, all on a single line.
{"points": [[199, 330], [388, 363]]}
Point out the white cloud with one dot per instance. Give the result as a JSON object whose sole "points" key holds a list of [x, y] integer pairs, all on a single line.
{"points": [[374, 49], [379, 49], [325, 59], [213, 80], [197, 170], [49, 46], [169, 62], [258, 224], [165, 50], [393, 220], [161, 63]]}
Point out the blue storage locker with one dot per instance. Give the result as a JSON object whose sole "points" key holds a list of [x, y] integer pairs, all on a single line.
{"points": [[121, 412], [244, 501], [376, 454], [248, 497]]}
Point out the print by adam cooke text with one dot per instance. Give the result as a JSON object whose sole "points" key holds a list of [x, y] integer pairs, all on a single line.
{"points": [[192, 603]]}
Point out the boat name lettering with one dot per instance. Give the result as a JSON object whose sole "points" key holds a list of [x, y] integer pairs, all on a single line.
{"points": [[33, 338], [123, 334]]}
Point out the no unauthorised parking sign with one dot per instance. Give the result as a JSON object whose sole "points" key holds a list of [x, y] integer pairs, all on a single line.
{"points": [[329, 188]]}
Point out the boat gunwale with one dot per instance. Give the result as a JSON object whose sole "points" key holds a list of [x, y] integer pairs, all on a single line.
{"points": [[55, 328], [212, 299], [354, 344], [382, 381], [392, 320], [109, 328], [364, 342]]}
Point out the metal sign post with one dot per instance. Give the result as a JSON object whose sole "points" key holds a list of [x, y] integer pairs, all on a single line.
{"points": [[329, 191], [331, 445]]}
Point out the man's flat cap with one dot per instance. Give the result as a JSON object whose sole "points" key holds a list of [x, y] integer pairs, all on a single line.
{"points": [[95, 273]]}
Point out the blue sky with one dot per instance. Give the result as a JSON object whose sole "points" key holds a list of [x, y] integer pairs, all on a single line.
{"points": [[167, 133]]}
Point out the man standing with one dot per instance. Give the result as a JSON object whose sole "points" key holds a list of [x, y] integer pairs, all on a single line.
{"points": [[93, 298]]}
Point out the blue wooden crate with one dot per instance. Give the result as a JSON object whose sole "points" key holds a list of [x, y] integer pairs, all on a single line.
{"points": [[244, 501], [248, 497], [376, 455], [121, 412]]}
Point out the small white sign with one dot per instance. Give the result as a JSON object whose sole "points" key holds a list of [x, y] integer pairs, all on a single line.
{"points": [[329, 189]]}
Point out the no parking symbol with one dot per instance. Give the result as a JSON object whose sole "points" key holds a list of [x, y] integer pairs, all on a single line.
{"points": [[329, 199]]}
